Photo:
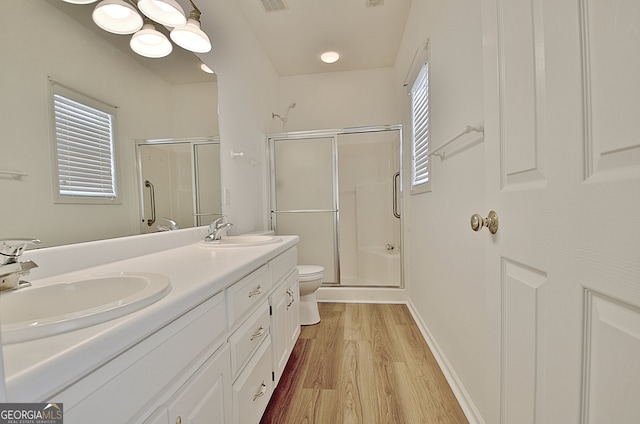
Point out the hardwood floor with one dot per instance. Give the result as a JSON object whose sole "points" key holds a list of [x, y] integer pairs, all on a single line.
{"points": [[362, 364]]}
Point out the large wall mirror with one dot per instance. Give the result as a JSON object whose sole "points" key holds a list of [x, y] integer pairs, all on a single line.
{"points": [[47, 41]]}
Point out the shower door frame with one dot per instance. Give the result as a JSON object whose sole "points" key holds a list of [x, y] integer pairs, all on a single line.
{"points": [[334, 133], [192, 142]]}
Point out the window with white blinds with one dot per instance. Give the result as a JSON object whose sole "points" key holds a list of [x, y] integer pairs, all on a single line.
{"points": [[84, 148], [420, 135]]}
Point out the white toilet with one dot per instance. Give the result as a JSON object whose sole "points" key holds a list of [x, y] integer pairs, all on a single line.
{"points": [[311, 277]]}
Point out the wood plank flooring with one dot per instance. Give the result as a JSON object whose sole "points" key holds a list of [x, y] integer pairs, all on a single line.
{"points": [[362, 364]]}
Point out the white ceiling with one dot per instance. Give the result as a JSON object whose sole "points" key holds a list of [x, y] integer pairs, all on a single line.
{"points": [[366, 37]]}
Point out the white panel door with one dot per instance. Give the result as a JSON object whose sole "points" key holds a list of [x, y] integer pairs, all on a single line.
{"points": [[562, 134], [3, 392]]}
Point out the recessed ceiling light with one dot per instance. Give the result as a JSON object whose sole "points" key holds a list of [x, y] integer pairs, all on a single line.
{"points": [[329, 57], [205, 68]]}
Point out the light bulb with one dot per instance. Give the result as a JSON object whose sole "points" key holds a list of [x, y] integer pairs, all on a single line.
{"points": [[117, 17], [149, 42], [165, 12], [329, 57]]}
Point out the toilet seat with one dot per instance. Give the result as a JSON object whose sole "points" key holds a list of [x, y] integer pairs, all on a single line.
{"points": [[310, 272]]}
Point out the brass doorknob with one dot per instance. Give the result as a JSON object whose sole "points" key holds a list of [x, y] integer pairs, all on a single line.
{"points": [[491, 222]]}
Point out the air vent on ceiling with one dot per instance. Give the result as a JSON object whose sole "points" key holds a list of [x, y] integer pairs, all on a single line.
{"points": [[274, 5], [374, 3]]}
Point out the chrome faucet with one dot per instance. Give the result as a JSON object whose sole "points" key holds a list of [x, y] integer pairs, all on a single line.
{"points": [[173, 225], [10, 269], [216, 228]]}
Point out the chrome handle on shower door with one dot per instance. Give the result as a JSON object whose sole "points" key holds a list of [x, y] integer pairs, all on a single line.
{"points": [[396, 177], [152, 195]]}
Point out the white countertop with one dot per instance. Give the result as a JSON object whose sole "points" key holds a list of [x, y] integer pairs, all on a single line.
{"points": [[37, 369]]}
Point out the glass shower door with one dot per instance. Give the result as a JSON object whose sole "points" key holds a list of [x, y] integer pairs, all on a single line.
{"points": [[370, 225], [208, 199], [303, 198]]}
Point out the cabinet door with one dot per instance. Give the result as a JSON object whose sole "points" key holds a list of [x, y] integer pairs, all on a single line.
{"points": [[207, 397], [279, 338], [293, 311], [285, 321]]}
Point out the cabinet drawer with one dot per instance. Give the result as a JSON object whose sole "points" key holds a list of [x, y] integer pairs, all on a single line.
{"points": [[246, 293], [283, 264], [246, 339], [253, 388]]}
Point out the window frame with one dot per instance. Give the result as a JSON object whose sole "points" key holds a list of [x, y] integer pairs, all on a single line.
{"points": [[112, 198], [417, 187]]}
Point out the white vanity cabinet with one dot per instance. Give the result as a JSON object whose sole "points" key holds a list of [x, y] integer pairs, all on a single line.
{"points": [[263, 324], [217, 363], [254, 343], [130, 386]]}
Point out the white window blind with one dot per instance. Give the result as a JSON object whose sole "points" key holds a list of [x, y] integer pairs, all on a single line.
{"points": [[420, 123], [84, 148]]}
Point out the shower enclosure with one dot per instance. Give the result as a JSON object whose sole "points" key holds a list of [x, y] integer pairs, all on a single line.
{"points": [[339, 190], [179, 179]]}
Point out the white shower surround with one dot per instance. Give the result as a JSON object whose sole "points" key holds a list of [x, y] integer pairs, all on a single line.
{"points": [[365, 257]]}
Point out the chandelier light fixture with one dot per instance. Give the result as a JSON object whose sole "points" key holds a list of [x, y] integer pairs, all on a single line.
{"points": [[140, 18]]}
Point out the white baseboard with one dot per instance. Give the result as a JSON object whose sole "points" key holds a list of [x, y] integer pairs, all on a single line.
{"points": [[467, 405], [361, 295]]}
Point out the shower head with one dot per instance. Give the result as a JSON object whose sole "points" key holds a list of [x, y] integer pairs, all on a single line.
{"points": [[291, 106], [286, 115]]}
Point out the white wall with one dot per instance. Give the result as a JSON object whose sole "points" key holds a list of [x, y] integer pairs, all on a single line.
{"points": [[58, 47], [340, 100], [247, 93], [444, 258], [194, 110]]}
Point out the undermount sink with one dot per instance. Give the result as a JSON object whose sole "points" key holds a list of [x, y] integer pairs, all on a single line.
{"points": [[242, 241], [35, 312]]}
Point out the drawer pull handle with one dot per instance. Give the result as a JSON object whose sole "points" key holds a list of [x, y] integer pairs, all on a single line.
{"points": [[292, 299], [179, 420], [255, 291], [263, 390], [258, 333]]}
